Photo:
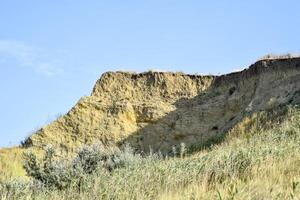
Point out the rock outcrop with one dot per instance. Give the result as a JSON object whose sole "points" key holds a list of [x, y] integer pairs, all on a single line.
{"points": [[161, 110]]}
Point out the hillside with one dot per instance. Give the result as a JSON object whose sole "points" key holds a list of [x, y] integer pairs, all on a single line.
{"points": [[258, 159], [159, 110], [236, 136]]}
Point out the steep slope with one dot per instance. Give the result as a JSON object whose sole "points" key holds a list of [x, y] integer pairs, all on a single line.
{"points": [[160, 110], [120, 105]]}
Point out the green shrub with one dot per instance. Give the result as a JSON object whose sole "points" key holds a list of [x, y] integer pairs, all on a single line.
{"points": [[61, 173], [48, 171]]}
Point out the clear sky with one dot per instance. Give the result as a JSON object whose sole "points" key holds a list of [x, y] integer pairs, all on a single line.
{"points": [[53, 51]]}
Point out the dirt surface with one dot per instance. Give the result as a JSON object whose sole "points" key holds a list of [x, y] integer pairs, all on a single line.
{"points": [[163, 109]]}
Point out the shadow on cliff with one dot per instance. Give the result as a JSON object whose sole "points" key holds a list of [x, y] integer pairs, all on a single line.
{"points": [[197, 123], [205, 119]]}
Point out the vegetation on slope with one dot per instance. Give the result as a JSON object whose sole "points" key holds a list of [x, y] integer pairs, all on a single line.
{"points": [[258, 159], [11, 163]]}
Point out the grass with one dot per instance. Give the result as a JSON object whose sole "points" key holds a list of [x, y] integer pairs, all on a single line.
{"points": [[279, 56], [258, 159], [11, 163]]}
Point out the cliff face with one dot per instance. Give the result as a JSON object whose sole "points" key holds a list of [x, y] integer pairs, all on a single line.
{"points": [[159, 110]]}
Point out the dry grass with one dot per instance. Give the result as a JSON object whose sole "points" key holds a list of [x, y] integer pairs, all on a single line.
{"points": [[259, 159], [279, 56], [11, 163], [273, 179]]}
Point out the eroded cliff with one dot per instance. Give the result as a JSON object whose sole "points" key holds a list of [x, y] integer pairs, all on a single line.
{"points": [[161, 110]]}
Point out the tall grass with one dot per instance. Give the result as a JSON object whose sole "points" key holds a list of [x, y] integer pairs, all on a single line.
{"points": [[258, 159], [11, 163]]}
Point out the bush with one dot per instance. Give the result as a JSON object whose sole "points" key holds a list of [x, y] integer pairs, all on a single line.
{"points": [[48, 171], [60, 173]]}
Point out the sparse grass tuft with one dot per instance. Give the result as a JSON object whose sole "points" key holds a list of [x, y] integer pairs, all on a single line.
{"points": [[279, 56]]}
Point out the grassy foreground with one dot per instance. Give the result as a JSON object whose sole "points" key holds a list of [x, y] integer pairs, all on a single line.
{"points": [[11, 163], [259, 159]]}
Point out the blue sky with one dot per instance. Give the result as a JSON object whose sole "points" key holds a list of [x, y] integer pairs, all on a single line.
{"points": [[53, 51]]}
